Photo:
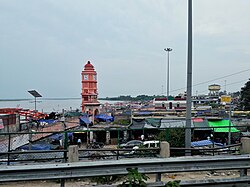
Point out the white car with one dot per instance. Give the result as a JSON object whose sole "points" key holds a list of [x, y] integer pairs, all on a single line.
{"points": [[149, 144], [131, 144], [146, 144]]}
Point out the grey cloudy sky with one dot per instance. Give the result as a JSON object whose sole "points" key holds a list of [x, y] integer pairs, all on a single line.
{"points": [[44, 45]]}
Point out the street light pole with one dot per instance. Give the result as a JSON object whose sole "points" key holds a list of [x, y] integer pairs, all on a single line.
{"points": [[189, 83], [168, 50], [35, 103], [35, 94]]}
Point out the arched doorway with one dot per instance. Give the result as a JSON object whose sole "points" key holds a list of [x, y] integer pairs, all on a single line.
{"points": [[170, 105]]}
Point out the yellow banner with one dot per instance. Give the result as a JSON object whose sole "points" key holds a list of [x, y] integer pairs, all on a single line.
{"points": [[225, 99]]}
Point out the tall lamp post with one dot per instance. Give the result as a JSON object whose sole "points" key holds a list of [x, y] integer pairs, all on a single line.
{"points": [[189, 83], [168, 50], [35, 94]]}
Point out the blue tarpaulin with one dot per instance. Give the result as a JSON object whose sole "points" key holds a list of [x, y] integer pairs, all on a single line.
{"points": [[56, 136], [104, 117], [49, 121], [60, 136], [84, 120], [204, 143], [37, 147]]}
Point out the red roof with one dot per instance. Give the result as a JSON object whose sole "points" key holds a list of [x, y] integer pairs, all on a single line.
{"points": [[198, 120], [161, 99], [23, 112], [88, 66], [179, 99]]}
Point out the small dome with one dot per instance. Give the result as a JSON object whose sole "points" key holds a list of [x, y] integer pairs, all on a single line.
{"points": [[89, 66]]}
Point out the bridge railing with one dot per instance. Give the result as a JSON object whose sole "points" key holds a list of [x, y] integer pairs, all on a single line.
{"points": [[61, 155], [156, 166], [11, 149]]}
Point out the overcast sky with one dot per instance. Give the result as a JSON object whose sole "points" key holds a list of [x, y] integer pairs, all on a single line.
{"points": [[44, 45]]}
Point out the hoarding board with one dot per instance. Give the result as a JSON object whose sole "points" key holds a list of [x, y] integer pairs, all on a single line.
{"points": [[226, 99]]}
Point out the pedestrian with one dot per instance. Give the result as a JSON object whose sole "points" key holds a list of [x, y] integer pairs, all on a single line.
{"points": [[142, 137], [79, 142]]}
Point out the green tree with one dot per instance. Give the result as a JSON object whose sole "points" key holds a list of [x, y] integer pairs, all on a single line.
{"points": [[175, 136], [245, 96]]}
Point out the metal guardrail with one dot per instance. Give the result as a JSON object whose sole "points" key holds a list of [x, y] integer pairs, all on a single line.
{"points": [[117, 153], [233, 148], [118, 167], [110, 153], [56, 155], [33, 155]]}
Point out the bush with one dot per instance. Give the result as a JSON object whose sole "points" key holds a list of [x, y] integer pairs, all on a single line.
{"points": [[175, 183], [134, 178]]}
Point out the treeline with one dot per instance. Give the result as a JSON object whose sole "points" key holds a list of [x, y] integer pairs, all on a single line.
{"points": [[130, 98]]}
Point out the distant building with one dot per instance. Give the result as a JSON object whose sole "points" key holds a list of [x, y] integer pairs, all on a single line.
{"points": [[205, 100], [214, 89], [9, 123], [90, 104], [177, 103]]}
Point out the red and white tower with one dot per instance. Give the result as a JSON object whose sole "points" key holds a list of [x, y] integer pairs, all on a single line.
{"points": [[90, 104]]}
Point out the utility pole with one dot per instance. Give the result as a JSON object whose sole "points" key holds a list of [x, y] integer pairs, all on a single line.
{"points": [[225, 87], [189, 83], [229, 129], [30, 135]]}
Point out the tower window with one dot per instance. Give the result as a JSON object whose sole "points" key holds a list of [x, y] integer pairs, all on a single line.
{"points": [[85, 77]]}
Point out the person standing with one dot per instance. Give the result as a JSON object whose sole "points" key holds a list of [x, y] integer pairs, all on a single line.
{"points": [[142, 137], [79, 142]]}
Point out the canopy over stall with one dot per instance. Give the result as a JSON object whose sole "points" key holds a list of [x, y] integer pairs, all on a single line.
{"points": [[84, 120], [203, 143], [222, 126], [104, 118], [201, 124]]}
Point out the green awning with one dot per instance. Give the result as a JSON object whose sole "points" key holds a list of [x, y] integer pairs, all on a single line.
{"points": [[200, 124], [154, 122], [222, 126]]}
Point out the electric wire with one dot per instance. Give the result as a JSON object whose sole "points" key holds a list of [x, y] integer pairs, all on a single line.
{"points": [[201, 83]]}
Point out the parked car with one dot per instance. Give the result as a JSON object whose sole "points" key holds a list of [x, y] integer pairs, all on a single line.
{"points": [[131, 144], [151, 144], [145, 144]]}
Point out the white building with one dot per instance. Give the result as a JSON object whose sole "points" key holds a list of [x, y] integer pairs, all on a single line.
{"points": [[171, 104]]}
